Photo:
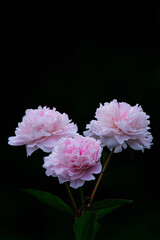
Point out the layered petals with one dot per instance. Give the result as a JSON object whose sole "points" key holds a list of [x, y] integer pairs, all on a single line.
{"points": [[119, 124], [74, 160], [42, 128]]}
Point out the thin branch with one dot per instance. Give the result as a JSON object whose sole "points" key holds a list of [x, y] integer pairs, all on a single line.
{"points": [[72, 199], [82, 199], [100, 176]]}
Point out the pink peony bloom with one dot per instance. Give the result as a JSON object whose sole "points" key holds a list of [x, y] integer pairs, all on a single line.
{"points": [[42, 128], [74, 160], [119, 124]]}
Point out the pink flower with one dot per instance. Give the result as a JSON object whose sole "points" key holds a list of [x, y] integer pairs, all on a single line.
{"points": [[74, 160], [119, 124], [42, 128]]}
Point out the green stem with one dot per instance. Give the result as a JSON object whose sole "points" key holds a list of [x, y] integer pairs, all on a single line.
{"points": [[82, 199], [100, 176], [72, 199]]}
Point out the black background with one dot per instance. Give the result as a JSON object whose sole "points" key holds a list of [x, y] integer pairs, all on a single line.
{"points": [[74, 56]]}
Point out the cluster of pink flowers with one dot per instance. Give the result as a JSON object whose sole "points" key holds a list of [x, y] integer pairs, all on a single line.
{"points": [[75, 158]]}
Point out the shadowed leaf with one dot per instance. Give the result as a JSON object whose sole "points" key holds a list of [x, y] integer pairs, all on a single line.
{"points": [[86, 227], [51, 200], [104, 207]]}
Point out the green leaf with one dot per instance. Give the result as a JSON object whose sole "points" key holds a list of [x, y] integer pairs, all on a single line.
{"points": [[51, 200], [86, 226], [104, 207]]}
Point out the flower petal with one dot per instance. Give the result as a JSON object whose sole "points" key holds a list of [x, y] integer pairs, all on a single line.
{"points": [[135, 145], [77, 183]]}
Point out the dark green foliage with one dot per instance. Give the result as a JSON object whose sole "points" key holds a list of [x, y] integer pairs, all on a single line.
{"points": [[51, 200], [86, 226], [104, 207]]}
